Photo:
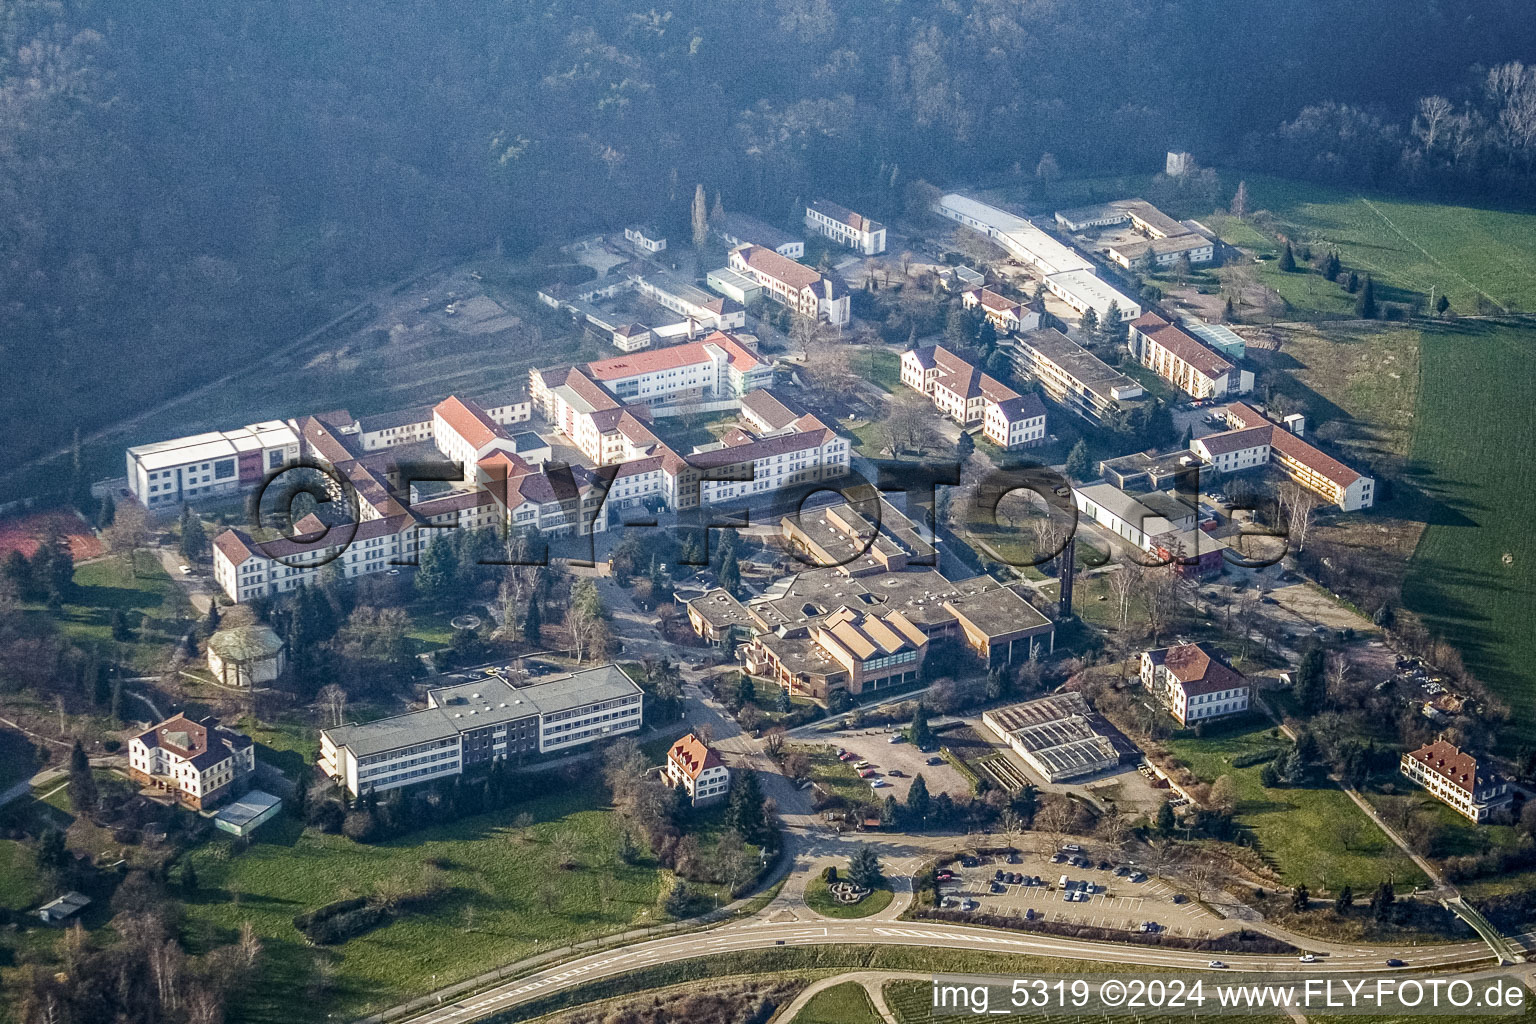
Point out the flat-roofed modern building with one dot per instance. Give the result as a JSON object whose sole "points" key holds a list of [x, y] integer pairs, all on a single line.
{"points": [[1023, 240], [1084, 290], [480, 721], [734, 286], [1071, 375], [211, 465], [736, 229]]}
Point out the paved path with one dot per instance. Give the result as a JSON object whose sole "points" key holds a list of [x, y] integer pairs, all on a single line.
{"points": [[874, 983]]}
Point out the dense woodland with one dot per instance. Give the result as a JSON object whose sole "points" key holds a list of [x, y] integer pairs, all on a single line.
{"points": [[183, 183]]}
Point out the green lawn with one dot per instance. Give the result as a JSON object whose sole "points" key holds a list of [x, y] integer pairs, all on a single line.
{"points": [[879, 366], [505, 897], [154, 606], [1312, 835], [819, 899], [290, 745], [1473, 576], [847, 1003], [912, 1003], [21, 887]]}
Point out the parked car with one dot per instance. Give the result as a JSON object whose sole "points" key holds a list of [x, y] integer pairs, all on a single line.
{"points": [[896, 773], [934, 761], [897, 738]]}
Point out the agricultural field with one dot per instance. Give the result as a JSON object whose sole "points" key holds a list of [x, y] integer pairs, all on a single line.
{"points": [[1312, 835], [1481, 260], [504, 888], [847, 1003]]}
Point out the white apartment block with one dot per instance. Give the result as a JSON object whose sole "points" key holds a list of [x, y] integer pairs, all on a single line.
{"points": [[1193, 683], [761, 466], [388, 430], [1255, 440], [210, 465], [845, 227], [1184, 362], [968, 396], [1458, 780], [481, 721], [199, 762], [1071, 375], [793, 284]]}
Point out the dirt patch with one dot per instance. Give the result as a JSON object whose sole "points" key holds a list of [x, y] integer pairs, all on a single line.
{"points": [[1310, 604], [25, 533]]}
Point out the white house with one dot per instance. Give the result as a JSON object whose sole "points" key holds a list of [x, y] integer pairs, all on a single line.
{"points": [[1456, 778], [845, 227], [1005, 313], [200, 763], [645, 238], [698, 770], [792, 284], [1193, 683]]}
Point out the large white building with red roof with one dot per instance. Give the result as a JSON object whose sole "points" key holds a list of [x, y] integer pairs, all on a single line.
{"points": [[698, 770], [1255, 440], [1183, 361], [801, 288], [1194, 683], [1456, 778], [966, 395], [845, 227]]}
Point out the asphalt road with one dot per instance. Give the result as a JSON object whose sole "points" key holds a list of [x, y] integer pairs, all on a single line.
{"points": [[759, 934]]}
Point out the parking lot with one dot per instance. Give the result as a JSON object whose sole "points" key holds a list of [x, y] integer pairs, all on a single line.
{"points": [[885, 757], [1101, 898]]}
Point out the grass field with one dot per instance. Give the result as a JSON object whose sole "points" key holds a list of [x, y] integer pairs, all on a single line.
{"points": [[835, 776], [1482, 260], [505, 895], [878, 365], [1313, 835], [150, 601], [912, 1003], [1473, 577], [847, 1003]]}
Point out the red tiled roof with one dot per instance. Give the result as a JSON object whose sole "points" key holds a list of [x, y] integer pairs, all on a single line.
{"points": [[693, 757], [1188, 349], [1198, 671], [990, 299], [669, 358], [1289, 444], [468, 420], [1450, 763], [797, 276], [232, 545]]}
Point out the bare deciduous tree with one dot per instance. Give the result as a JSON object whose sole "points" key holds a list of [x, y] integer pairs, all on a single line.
{"points": [[333, 700]]}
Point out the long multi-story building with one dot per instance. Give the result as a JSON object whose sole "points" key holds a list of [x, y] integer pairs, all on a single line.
{"points": [[1457, 779], [211, 465], [966, 395], [1071, 375], [198, 761], [845, 227], [1184, 362], [1019, 237], [1194, 683], [716, 312], [1164, 237], [1254, 440], [802, 289], [481, 721]]}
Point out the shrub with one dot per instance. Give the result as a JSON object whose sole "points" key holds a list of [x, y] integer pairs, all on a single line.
{"points": [[1254, 757]]}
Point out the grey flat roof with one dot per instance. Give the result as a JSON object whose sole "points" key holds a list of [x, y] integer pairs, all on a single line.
{"points": [[405, 730], [248, 808], [481, 702]]}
